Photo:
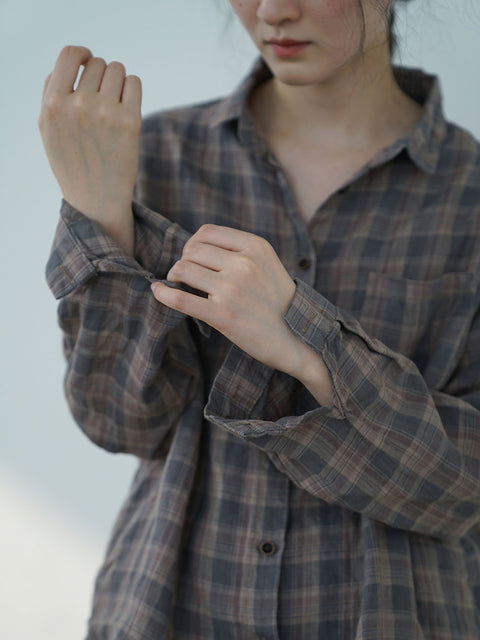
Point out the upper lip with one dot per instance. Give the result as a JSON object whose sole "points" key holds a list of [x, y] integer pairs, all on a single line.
{"points": [[286, 42]]}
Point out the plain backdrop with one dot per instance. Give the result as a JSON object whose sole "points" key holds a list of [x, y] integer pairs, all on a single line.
{"points": [[59, 494]]}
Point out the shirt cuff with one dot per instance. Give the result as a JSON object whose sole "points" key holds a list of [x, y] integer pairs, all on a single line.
{"points": [[240, 398], [238, 391], [312, 317], [82, 249]]}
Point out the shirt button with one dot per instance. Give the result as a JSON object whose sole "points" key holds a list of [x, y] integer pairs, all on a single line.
{"points": [[268, 548], [304, 263]]}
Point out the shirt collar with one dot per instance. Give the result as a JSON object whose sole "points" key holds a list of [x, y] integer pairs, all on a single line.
{"points": [[234, 105], [424, 141]]}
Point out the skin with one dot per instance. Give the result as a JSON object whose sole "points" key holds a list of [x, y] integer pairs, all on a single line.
{"points": [[91, 136], [332, 28], [332, 108]]}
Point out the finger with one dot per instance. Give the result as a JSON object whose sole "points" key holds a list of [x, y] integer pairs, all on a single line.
{"points": [[193, 275], [207, 255], [92, 75], [182, 301], [132, 92], [66, 69], [225, 237], [112, 81]]}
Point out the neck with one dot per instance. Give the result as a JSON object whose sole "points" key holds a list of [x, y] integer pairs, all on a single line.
{"points": [[361, 104]]}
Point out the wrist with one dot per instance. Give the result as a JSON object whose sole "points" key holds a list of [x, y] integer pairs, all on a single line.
{"points": [[121, 228], [312, 372], [116, 219]]}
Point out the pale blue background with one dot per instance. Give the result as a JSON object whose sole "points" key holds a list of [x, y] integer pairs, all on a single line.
{"points": [[59, 492]]}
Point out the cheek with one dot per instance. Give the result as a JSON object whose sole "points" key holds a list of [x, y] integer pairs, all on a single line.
{"points": [[340, 9], [335, 15], [338, 23], [244, 9], [246, 12]]}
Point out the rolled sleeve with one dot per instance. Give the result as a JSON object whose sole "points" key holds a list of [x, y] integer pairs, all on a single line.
{"points": [[69, 265], [311, 316], [82, 249]]}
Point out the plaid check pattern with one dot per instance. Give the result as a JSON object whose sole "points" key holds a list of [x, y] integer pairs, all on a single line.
{"points": [[256, 513]]}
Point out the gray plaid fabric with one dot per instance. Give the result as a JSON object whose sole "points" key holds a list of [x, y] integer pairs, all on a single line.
{"points": [[256, 513]]}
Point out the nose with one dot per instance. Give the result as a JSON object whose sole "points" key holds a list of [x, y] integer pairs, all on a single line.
{"points": [[275, 12]]}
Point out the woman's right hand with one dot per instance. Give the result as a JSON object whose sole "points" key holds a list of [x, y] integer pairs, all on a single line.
{"points": [[92, 137]]}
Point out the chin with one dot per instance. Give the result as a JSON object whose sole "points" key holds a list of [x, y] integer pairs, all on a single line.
{"points": [[302, 73], [294, 75]]}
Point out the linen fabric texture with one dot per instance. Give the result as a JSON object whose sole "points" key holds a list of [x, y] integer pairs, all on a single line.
{"points": [[255, 512]]}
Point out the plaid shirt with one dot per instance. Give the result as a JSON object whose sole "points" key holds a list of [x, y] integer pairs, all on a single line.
{"points": [[255, 512]]}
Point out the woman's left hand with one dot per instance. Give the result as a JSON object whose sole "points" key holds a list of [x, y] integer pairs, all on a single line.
{"points": [[248, 292]]}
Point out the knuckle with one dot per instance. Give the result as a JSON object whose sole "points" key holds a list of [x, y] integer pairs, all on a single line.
{"points": [[103, 115], [245, 265], [178, 268], [205, 229], [176, 298], [51, 108], [260, 245], [189, 250], [245, 269], [81, 106]]}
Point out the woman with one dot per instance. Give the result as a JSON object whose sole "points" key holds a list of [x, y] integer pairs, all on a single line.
{"points": [[302, 381]]}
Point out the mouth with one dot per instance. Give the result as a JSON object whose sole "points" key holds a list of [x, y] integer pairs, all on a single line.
{"points": [[286, 47]]}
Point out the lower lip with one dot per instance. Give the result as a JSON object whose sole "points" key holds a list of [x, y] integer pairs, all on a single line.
{"points": [[288, 51]]}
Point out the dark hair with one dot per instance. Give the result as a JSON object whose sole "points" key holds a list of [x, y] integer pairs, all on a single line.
{"points": [[392, 36], [389, 10]]}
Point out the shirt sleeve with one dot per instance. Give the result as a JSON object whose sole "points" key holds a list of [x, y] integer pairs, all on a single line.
{"points": [[132, 364], [390, 447]]}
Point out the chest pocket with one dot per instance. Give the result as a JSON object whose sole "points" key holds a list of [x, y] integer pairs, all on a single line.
{"points": [[426, 320]]}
